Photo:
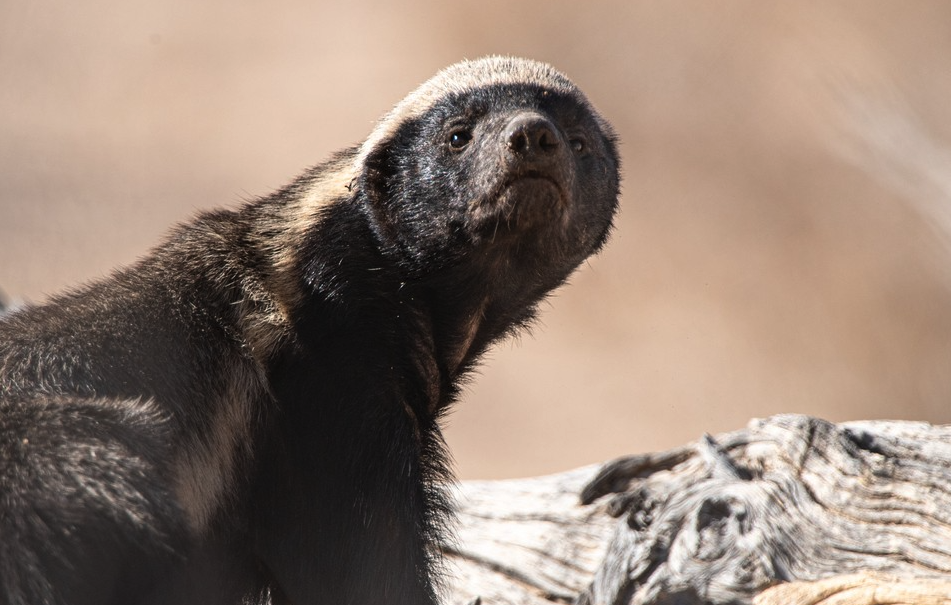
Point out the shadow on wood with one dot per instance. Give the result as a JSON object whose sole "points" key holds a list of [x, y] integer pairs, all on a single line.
{"points": [[760, 511]]}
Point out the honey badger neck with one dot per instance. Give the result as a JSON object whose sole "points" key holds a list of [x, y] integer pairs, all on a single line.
{"points": [[429, 329]]}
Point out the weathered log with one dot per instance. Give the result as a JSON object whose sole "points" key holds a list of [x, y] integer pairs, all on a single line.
{"points": [[793, 509]]}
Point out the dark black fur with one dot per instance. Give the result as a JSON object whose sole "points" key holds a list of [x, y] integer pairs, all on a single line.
{"points": [[215, 424]]}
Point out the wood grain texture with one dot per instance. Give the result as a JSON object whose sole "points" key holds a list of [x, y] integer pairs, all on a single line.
{"points": [[526, 541], [858, 589], [788, 499]]}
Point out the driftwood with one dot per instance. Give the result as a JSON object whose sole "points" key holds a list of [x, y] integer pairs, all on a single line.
{"points": [[792, 510]]}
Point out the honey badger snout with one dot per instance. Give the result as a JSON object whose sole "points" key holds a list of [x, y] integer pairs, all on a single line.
{"points": [[532, 141]]}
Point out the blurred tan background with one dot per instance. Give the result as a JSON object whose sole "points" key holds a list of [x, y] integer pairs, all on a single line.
{"points": [[785, 238]]}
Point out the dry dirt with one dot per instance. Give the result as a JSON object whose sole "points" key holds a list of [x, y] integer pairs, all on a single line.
{"points": [[785, 238]]}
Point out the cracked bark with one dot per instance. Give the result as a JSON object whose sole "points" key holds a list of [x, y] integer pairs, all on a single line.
{"points": [[792, 510]]}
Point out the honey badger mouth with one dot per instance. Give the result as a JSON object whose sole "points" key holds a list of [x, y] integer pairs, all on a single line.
{"points": [[520, 202], [536, 178]]}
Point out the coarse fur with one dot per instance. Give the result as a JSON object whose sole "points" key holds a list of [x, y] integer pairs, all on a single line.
{"points": [[251, 412]]}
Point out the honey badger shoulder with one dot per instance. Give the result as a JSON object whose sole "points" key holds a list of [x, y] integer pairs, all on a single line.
{"points": [[252, 411]]}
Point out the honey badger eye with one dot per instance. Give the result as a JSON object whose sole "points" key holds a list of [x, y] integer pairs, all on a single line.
{"points": [[458, 139], [577, 144]]}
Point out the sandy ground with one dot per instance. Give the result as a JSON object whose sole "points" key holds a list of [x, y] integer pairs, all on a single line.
{"points": [[785, 238]]}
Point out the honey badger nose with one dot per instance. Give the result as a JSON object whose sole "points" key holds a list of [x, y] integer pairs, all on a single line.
{"points": [[532, 136]]}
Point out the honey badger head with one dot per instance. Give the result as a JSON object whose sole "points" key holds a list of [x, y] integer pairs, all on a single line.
{"points": [[499, 163]]}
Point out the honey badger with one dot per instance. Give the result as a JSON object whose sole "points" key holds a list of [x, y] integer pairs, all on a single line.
{"points": [[251, 412]]}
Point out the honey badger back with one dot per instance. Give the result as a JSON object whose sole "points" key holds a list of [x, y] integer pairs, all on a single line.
{"points": [[252, 410]]}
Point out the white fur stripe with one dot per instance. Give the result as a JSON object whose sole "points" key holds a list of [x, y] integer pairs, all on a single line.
{"points": [[460, 78]]}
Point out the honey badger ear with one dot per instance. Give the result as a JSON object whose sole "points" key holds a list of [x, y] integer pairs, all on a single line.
{"points": [[378, 186], [376, 172], [385, 156]]}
